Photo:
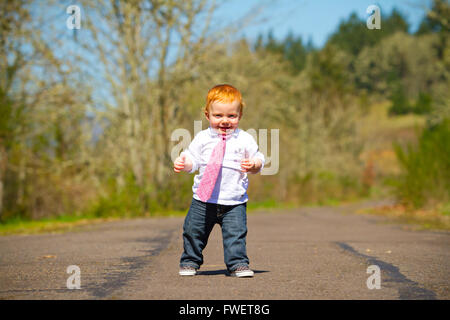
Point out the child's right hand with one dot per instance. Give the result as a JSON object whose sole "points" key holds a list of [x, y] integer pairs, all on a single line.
{"points": [[182, 164], [178, 165]]}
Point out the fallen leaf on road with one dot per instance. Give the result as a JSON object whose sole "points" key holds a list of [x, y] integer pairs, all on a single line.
{"points": [[49, 256]]}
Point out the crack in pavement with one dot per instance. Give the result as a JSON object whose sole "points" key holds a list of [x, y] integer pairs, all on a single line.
{"points": [[128, 266], [407, 289]]}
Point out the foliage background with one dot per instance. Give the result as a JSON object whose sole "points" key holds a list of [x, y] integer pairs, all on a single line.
{"points": [[86, 117]]}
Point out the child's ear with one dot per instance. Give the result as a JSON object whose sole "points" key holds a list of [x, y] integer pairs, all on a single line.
{"points": [[207, 115]]}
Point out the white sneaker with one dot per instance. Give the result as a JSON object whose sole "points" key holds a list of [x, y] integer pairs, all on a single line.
{"points": [[187, 271], [242, 272]]}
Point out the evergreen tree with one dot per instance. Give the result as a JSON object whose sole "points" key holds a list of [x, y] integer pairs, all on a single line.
{"points": [[352, 35], [423, 103], [400, 104], [437, 19], [394, 23], [290, 49]]}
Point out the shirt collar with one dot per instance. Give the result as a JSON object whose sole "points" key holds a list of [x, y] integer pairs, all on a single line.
{"points": [[213, 133]]}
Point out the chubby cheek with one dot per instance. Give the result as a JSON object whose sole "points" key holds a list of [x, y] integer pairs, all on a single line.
{"points": [[233, 121], [214, 122]]}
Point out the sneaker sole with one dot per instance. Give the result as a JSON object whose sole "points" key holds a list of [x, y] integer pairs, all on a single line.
{"points": [[187, 273], [243, 274]]}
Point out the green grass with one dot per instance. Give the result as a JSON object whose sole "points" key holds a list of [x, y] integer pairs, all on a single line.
{"points": [[72, 222], [267, 205], [48, 225], [66, 223], [69, 222], [419, 219]]}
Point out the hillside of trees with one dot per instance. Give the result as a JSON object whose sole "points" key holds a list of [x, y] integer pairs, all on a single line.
{"points": [[86, 116]]}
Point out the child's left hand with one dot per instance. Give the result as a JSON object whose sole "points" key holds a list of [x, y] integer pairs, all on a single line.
{"points": [[248, 165]]}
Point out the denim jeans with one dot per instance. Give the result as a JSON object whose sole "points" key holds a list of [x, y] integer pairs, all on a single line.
{"points": [[199, 222]]}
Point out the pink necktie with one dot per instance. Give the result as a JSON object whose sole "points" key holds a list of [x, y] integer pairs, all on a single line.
{"points": [[212, 169]]}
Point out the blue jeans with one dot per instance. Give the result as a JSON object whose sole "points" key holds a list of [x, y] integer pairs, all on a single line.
{"points": [[198, 225]]}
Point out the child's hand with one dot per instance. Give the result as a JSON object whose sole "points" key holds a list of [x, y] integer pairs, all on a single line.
{"points": [[179, 163], [247, 165], [251, 165]]}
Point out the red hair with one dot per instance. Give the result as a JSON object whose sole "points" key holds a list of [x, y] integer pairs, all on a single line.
{"points": [[224, 93]]}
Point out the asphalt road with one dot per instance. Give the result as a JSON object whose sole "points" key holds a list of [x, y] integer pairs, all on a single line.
{"points": [[308, 253]]}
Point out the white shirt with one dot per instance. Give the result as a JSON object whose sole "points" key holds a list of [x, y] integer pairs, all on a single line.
{"points": [[231, 185]]}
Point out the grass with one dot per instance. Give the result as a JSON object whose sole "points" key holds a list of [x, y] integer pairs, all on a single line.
{"points": [[423, 219], [67, 222], [379, 130], [437, 218], [48, 225], [379, 119], [18, 226], [268, 205]]}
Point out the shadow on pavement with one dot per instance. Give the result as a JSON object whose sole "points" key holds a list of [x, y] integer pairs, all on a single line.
{"points": [[223, 272]]}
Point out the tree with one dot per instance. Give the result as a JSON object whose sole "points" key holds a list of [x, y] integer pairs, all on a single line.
{"points": [[401, 59], [437, 18], [40, 120], [352, 35], [147, 52], [400, 104], [423, 104], [295, 52], [290, 49], [395, 22]]}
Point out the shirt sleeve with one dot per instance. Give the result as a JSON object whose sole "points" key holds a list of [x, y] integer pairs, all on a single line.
{"points": [[193, 152], [252, 151]]}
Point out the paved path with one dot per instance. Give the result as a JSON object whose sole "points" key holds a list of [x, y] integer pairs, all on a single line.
{"points": [[308, 253]]}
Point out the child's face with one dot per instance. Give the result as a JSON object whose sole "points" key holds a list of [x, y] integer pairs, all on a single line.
{"points": [[224, 116]]}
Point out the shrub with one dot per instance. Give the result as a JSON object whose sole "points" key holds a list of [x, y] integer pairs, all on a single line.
{"points": [[400, 104], [425, 179], [423, 104]]}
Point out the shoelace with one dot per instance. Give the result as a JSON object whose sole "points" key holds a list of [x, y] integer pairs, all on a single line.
{"points": [[242, 268], [188, 268]]}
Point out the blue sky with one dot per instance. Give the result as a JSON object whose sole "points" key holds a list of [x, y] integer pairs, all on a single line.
{"points": [[315, 19]]}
